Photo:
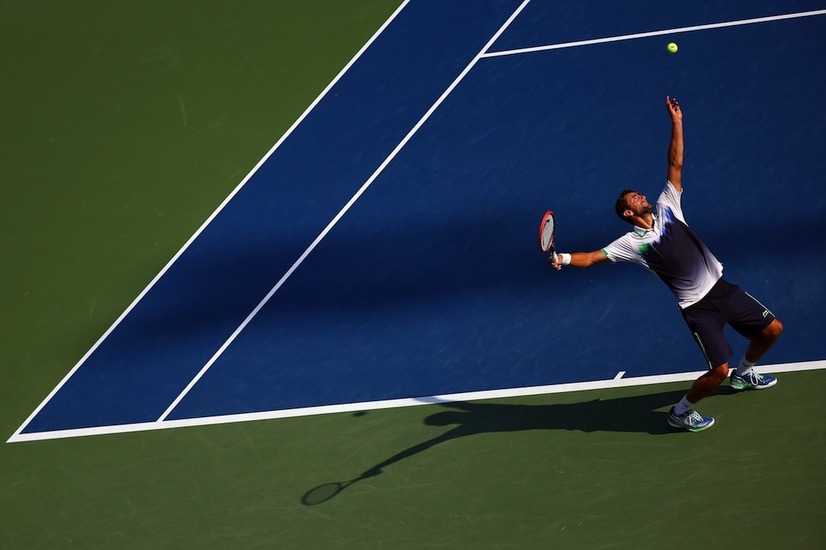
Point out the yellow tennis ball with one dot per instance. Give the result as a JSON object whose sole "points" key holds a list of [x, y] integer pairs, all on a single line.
{"points": [[672, 47]]}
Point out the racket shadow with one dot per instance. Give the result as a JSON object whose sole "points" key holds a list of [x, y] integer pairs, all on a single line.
{"points": [[640, 414]]}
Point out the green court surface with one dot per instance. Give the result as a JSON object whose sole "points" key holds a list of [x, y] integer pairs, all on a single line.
{"points": [[125, 126], [595, 469]]}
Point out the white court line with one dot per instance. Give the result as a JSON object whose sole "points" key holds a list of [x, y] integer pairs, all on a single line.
{"points": [[341, 213], [211, 217], [398, 403], [678, 30]]}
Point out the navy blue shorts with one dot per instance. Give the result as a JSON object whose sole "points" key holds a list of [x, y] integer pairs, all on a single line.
{"points": [[724, 304]]}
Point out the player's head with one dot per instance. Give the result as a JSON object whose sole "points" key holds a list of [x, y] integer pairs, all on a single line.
{"points": [[631, 204]]}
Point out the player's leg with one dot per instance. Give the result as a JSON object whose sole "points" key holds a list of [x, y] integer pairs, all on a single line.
{"points": [[706, 324], [759, 325], [763, 340], [707, 383], [683, 415]]}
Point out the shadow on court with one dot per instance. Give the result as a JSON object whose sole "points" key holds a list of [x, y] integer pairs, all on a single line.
{"points": [[640, 414]]}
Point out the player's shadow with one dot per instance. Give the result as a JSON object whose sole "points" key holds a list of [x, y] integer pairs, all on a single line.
{"points": [[643, 413]]}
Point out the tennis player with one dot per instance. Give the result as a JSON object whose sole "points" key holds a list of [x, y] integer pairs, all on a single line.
{"points": [[662, 242]]}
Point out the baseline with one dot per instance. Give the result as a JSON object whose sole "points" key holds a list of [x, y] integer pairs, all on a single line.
{"points": [[678, 30], [617, 382]]}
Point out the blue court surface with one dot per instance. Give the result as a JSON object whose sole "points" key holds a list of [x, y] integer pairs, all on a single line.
{"points": [[385, 249]]}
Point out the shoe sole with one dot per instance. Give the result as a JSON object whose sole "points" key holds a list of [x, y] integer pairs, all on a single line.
{"points": [[693, 429]]}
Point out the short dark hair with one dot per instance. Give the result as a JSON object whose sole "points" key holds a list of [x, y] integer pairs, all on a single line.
{"points": [[622, 205]]}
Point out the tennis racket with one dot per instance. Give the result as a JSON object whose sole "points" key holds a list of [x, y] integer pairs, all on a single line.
{"points": [[547, 233]]}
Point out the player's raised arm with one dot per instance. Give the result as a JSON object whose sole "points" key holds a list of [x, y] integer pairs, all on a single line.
{"points": [[578, 259], [675, 148]]}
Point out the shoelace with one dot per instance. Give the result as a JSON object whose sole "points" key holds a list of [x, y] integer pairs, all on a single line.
{"points": [[695, 417], [753, 378]]}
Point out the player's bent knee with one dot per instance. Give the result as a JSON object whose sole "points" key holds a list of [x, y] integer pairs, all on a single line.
{"points": [[774, 330], [720, 372]]}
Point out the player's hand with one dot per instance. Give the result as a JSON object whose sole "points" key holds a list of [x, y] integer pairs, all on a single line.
{"points": [[554, 261], [674, 109]]}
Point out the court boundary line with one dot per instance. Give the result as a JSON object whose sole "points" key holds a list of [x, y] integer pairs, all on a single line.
{"points": [[424, 118], [678, 30], [614, 383], [211, 217]]}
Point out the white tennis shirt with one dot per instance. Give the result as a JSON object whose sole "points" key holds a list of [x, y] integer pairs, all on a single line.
{"points": [[671, 251]]}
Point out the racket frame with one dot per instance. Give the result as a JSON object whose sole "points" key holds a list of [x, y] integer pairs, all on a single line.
{"points": [[551, 246]]}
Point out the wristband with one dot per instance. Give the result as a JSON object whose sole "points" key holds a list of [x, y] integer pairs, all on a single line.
{"points": [[564, 259]]}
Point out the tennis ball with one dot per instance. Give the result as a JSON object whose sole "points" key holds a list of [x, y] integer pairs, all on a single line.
{"points": [[672, 47]]}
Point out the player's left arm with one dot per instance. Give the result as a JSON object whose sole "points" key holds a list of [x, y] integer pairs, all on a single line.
{"points": [[676, 146]]}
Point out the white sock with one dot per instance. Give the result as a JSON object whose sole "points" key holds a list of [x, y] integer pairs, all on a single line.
{"points": [[683, 406], [744, 367]]}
